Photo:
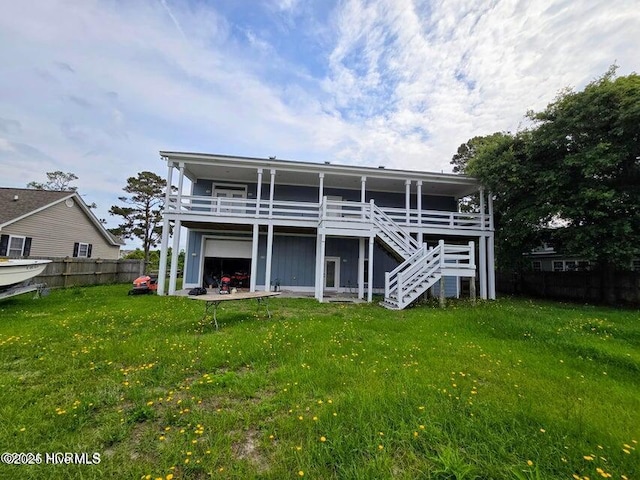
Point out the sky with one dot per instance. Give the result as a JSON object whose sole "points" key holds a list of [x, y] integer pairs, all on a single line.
{"points": [[99, 87]]}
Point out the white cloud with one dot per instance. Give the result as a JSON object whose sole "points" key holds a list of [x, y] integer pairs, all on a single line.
{"points": [[97, 88]]}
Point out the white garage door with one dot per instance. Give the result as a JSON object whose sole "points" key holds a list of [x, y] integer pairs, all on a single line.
{"points": [[227, 248]]}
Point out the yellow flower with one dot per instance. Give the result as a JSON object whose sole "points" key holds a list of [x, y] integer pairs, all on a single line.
{"points": [[301, 473], [323, 439], [530, 463], [169, 477], [588, 457], [380, 447]]}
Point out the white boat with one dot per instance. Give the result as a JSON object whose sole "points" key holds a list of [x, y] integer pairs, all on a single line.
{"points": [[14, 270]]}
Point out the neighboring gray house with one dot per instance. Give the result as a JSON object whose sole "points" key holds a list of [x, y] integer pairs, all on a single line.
{"points": [[323, 228], [45, 223], [546, 259]]}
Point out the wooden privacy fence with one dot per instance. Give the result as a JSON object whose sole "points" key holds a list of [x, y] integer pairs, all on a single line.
{"points": [[586, 286], [68, 272]]}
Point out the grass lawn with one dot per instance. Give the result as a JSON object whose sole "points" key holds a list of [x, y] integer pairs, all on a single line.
{"points": [[507, 389]]}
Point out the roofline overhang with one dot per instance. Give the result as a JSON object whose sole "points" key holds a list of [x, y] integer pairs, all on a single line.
{"points": [[326, 168]]}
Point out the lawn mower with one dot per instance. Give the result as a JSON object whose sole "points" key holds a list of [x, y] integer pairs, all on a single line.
{"points": [[143, 285], [225, 284]]}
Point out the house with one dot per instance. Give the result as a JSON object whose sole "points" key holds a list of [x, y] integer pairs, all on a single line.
{"points": [[546, 259], [45, 223], [324, 228]]}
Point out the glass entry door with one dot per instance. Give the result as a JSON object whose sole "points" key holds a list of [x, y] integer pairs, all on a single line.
{"points": [[331, 273]]}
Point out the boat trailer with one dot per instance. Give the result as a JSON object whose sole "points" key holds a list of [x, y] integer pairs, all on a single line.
{"points": [[25, 287]]}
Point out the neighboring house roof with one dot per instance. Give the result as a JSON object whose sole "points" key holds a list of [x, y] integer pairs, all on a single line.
{"points": [[19, 203]]}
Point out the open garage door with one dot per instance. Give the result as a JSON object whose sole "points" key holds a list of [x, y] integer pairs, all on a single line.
{"points": [[227, 257]]}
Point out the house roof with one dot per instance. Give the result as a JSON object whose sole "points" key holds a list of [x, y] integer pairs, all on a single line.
{"points": [[202, 165], [18, 203]]}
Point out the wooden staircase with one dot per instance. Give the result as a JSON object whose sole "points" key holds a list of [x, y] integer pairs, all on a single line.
{"points": [[421, 267]]}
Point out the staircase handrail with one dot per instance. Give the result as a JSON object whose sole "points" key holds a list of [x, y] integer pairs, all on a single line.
{"points": [[422, 263], [383, 221]]}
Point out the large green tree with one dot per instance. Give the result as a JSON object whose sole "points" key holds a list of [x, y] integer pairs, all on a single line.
{"points": [[142, 215], [573, 176]]}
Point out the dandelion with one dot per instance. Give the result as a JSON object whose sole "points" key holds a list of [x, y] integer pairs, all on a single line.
{"points": [[588, 457], [301, 473], [323, 439], [530, 463], [542, 430], [380, 447], [169, 477]]}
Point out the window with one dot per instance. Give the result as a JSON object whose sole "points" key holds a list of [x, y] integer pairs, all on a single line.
{"points": [[583, 265], [15, 246], [558, 266], [570, 265], [536, 265], [82, 250], [635, 265]]}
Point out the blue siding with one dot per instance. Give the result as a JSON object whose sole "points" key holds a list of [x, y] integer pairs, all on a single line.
{"points": [[310, 194], [293, 260]]}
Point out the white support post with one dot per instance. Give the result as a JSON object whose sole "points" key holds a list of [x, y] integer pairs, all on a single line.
{"points": [[164, 242], [254, 258], [320, 253], [316, 283], [472, 279], [363, 195], [482, 209], [164, 247], [267, 270], [419, 194], [361, 253], [492, 267], [168, 192], [442, 279], [271, 192], [370, 279], [483, 266], [407, 201], [258, 193], [180, 184], [174, 257], [321, 187], [491, 251]]}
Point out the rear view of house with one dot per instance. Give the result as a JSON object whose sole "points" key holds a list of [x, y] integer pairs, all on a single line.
{"points": [[325, 228]]}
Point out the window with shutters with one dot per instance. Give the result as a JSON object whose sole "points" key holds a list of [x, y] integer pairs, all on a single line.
{"points": [[15, 246], [82, 250]]}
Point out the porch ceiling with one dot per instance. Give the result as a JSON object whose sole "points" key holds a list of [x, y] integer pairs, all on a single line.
{"points": [[244, 170]]}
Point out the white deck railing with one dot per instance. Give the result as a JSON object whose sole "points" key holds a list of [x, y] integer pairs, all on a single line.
{"points": [[326, 210]]}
